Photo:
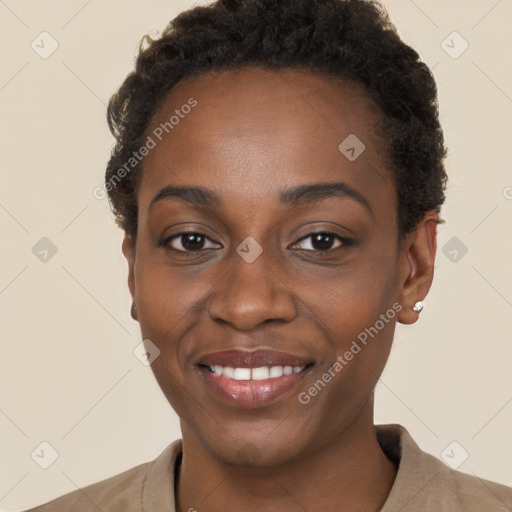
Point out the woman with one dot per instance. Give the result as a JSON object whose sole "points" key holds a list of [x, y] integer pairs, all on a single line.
{"points": [[279, 175]]}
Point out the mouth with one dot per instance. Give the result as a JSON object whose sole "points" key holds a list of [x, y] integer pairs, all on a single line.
{"points": [[252, 379]]}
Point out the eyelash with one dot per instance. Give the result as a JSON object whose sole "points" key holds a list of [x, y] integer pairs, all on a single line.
{"points": [[345, 242]]}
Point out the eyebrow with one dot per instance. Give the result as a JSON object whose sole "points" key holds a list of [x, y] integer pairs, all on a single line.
{"points": [[294, 196], [317, 192], [199, 196]]}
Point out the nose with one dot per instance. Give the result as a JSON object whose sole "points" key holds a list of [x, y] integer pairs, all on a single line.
{"points": [[250, 294]]}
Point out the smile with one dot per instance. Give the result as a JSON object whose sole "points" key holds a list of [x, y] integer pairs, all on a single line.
{"points": [[259, 373], [251, 379]]}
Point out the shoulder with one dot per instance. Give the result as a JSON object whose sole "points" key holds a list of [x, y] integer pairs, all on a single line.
{"points": [[474, 493], [125, 491], [424, 483]]}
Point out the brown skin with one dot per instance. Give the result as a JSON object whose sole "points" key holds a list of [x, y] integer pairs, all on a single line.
{"points": [[253, 134]]}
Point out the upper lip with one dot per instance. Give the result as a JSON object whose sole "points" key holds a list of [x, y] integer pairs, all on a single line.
{"points": [[252, 359]]}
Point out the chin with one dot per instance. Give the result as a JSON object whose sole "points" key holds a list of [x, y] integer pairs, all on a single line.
{"points": [[254, 448]]}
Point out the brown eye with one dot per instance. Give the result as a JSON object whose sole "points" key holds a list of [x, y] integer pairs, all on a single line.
{"points": [[323, 241], [189, 242]]}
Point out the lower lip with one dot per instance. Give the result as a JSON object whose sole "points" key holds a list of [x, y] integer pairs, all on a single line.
{"points": [[251, 393]]}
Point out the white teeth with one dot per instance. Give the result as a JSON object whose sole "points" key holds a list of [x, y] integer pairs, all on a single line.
{"points": [[242, 374], [228, 372], [260, 373], [276, 371]]}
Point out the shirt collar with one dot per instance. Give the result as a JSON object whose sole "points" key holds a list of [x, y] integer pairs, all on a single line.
{"points": [[416, 469], [158, 489]]}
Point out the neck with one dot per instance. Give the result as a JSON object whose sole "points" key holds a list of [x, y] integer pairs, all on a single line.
{"points": [[350, 472]]}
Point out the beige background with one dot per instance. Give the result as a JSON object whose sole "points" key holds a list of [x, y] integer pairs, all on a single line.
{"points": [[68, 374]]}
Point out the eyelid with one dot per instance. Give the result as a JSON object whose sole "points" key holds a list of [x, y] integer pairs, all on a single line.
{"points": [[345, 241], [165, 241]]}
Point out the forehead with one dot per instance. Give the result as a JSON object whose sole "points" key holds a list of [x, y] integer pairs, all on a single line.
{"points": [[252, 132]]}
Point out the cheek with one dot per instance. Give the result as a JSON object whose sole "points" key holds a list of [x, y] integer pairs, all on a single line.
{"points": [[353, 300], [361, 334], [172, 309], [357, 312], [165, 298], [166, 309], [361, 330]]}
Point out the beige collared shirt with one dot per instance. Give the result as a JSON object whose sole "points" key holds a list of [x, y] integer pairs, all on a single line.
{"points": [[423, 483]]}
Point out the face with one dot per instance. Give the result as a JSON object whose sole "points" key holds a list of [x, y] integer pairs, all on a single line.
{"points": [[261, 244]]}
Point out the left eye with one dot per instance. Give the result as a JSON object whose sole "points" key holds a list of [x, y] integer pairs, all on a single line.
{"points": [[322, 241], [189, 242]]}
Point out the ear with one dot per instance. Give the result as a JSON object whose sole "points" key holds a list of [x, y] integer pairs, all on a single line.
{"points": [[417, 260], [128, 248]]}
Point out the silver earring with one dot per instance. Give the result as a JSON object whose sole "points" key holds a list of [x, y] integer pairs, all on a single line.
{"points": [[418, 306]]}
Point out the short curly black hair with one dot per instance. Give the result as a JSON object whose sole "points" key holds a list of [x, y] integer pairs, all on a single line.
{"points": [[351, 39]]}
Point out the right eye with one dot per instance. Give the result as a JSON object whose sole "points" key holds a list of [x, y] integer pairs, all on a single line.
{"points": [[188, 241]]}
